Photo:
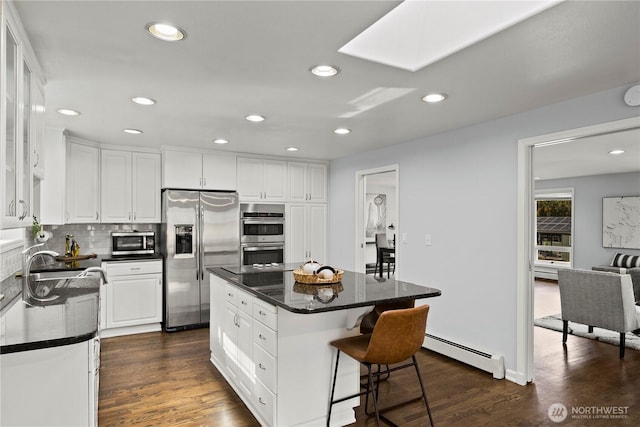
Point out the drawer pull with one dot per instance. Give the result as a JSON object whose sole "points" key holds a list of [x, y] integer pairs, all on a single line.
{"points": [[261, 401], [262, 313], [243, 302], [262, 337], [230, 294], [261, 367]]}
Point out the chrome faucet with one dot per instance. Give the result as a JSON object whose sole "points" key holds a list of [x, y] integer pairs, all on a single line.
{"points": [[86, 271], [27, 292]]}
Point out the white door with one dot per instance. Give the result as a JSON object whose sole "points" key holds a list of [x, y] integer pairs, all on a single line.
{"points": [[250, 178], [115, 186], [295, 235], [219, 172], [83, 184], [275, 178], [182, 169], [134, 300], [146, 188], [317, 232]]}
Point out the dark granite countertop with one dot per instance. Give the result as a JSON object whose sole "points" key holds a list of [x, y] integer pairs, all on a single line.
{"points": [[71, 318], [355, 290], [93, 262]]}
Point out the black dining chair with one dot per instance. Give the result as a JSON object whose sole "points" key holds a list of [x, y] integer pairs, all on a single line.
{"points": [[385, 254]]}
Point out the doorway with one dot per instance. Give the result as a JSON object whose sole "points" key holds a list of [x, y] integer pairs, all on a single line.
{"points": [[377, 211], [525, 232]]}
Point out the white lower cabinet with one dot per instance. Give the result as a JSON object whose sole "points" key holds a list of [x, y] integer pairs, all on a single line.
{"points": [[131, 301], [68, 396]]}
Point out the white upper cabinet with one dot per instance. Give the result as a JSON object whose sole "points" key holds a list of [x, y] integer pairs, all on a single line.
{"points": [[307, 182], [198, 171], [145, 195], [21, 112], [262, 179], [115, 186], [83, 184], [130, 187], [54, 189], [218, 172]]}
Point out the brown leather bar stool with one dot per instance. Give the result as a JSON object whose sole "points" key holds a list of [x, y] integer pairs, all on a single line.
{"points": [[396, 337], [369, 321]]}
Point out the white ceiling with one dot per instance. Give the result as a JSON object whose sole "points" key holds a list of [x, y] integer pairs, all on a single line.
{"points": [[243, 57]]}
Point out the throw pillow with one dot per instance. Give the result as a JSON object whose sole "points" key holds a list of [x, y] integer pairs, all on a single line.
{"points": [[628, 261]]}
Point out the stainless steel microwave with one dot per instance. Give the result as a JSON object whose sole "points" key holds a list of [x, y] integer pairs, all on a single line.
{"points": [[133, 243]]}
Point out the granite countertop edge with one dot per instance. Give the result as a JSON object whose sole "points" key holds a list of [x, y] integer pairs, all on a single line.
{"points": [[235, 279]]}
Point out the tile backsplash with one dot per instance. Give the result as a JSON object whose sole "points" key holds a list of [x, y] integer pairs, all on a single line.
{"points": [[92, 238]]}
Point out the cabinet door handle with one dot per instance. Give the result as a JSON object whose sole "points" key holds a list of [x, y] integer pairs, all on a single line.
{"points": [[230, 294], [261, 401], [261, 366], [204, 182], [25, 210], [129, 216], [37, 157], [262, 337], [96, 215], [11, 208], [262, 313], [200, 181], [135, 216]]}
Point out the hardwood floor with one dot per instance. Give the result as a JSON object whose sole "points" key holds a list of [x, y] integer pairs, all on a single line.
{"points": [[162, 379]]}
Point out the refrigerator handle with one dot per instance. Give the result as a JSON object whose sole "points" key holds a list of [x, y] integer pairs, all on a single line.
{"points": [[196, 225], [201, 244]]}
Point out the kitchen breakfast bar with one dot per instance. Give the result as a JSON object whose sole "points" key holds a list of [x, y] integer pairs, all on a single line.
{"points": [[270, 338]]}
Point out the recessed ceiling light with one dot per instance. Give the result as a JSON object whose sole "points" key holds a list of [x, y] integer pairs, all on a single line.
{"points": [[255, 118], [133, 131], [324, 70], [434, 97], [166, 32], [616, 152], [68, 112], [342, 131], [143, 101], [291, 149], [220, 141]]}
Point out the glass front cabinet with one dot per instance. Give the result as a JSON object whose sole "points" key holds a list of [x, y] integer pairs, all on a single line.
{"points": [[21, 123]]}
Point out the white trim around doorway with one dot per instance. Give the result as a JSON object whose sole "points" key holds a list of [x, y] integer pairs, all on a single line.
{"points": [[359, 234], [524, 372]]}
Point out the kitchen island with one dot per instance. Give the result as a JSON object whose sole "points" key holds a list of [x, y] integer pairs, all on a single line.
{"points": [[270, 338]]}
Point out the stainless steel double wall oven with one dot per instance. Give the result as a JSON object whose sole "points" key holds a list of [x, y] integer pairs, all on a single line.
{"points": [[262, 228]]}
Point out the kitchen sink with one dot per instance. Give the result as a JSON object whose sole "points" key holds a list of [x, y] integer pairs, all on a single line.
{"points": [[51, 283]]}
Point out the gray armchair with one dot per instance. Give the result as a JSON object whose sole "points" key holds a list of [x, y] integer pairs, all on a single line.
{"points": [[598, 299]]}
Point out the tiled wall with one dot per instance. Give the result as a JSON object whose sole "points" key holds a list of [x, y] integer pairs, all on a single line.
{"points": [[10, 262], [92, 238]]}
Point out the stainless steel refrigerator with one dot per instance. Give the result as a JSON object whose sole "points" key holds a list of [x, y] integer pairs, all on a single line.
{"points": [[199, 229]]}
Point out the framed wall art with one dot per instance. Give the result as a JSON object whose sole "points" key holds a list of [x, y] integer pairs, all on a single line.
{"points": [[621, 222]]}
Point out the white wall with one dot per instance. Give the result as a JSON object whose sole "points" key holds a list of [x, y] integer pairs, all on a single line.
{"points": [[587, 211], [460, 187]]}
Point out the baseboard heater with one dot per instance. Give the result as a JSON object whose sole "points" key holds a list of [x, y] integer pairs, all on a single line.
{"points": [[487, 362]]}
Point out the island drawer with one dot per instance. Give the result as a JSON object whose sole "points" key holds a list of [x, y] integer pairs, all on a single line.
{"points": [[266, 338], [266, 313], [266, 367], [239, 298], [265, 402]]}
